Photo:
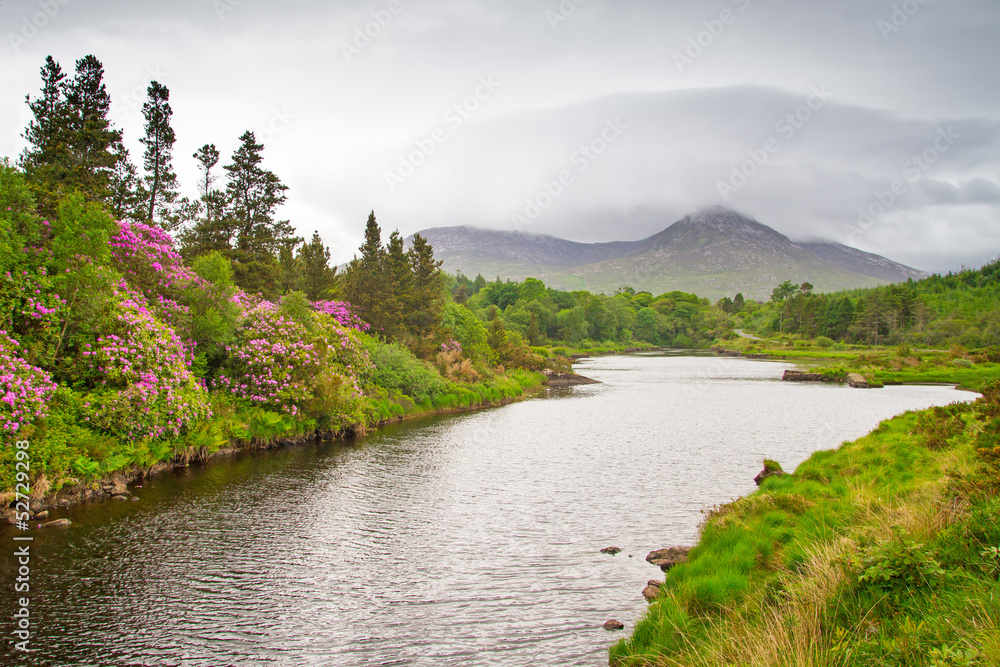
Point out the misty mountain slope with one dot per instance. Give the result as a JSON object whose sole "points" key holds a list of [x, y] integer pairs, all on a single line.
{"points": [[514, 254], [713, 253], [865, 263]]}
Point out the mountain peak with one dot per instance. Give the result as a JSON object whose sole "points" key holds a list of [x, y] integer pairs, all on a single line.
{"points": [[713, 252]]}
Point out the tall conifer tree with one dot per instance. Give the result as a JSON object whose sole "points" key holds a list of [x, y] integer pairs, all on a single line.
{"points": [[157, 160]]}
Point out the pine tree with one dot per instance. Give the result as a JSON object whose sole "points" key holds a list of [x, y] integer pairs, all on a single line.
{"points": [[46, 159], [253, 194], [318, 277], [534, 333], [207, 157], [364, 284], [428, 289], [213, 199], [128, 196], [292, 279], [400, 281], [91, 137], [160, 179]]}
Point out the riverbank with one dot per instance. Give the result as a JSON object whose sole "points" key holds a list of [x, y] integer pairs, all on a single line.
{"points": [[883, 551], [879, 365], [233, 430]]}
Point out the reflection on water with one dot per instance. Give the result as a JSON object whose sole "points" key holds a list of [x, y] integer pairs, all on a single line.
{"points": [[464, 540]]}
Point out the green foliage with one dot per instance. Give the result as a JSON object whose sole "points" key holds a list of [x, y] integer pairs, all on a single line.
{"points": [[398, 370], [19, 226], [213, 310], [80, 235], [900, 564], [941, 424], [160, 179], [460, 323]]}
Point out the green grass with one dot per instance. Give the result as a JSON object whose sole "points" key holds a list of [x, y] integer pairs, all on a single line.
{"points": [[885, 365], [873, 554]]}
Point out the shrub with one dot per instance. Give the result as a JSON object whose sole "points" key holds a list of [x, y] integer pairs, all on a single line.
{"points": [[824, 342], [141, 369], [900, 564], [940, 424], [26, 389], [457, 369], [467, 329], [283, 365], [343, 313], [397, 369]]}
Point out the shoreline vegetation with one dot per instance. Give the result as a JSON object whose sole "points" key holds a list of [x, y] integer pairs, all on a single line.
{"points": [[881, 552]]}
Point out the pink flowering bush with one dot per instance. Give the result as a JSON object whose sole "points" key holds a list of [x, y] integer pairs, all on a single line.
{"points": [[146, 257], [343, 312], [24, 390], [30, 307], [281, 364], [145, 385]]}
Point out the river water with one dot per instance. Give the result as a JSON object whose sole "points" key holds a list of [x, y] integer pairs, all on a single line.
{"points": [[471, 539]]}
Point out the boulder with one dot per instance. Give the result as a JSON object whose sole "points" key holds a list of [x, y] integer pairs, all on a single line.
{"points": [[44, 514], [614, 624], [119, 497], [57, 523], [768, 472], [610, 550], [560, 379], [650, 593], [667, 558], [654, 582], [802, 376], [858, 381]]}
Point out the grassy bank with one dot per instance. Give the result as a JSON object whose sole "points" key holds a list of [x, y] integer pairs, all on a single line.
{"points": [[883, 552], [885, 365]]}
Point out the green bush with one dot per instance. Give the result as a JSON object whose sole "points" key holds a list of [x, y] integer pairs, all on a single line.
{"points": [[397, 369]]}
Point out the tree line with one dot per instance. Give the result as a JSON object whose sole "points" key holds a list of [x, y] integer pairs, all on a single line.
{"points": [[74, 147]]}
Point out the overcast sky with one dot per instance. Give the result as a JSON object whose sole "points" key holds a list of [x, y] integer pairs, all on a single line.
{"points": [[802, 114]]}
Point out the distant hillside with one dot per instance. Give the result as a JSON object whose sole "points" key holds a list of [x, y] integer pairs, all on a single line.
{"points": [[713, 253], [865, 263]]}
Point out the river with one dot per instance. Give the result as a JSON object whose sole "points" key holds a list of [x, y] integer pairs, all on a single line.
{"points": [[469, 539]]}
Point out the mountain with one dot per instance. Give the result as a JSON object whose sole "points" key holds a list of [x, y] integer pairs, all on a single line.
{"points": [[865, 263], [713, 253]]}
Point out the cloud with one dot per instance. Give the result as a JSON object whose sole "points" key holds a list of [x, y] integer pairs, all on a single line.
{"points": [[352, 116]]}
